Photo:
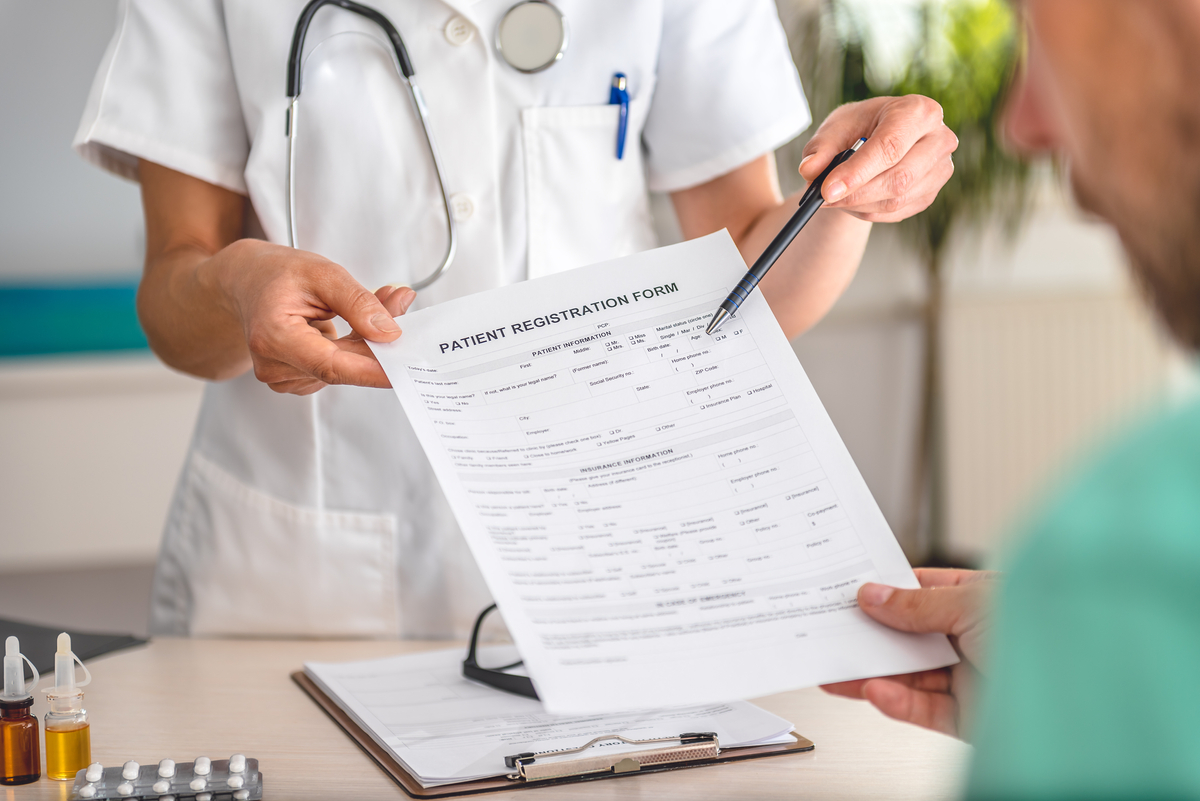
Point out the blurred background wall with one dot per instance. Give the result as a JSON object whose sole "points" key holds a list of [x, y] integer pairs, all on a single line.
{"points": [[1045, 346], [92, 427]]}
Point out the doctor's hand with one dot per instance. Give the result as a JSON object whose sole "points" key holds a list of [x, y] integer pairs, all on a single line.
{"points": [[951, 602], [286, 301], [215, 305], [898, 171]]}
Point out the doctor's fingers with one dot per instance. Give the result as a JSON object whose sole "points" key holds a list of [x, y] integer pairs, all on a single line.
{"points": [[293, 381], [396, 299], [348, 369], [892, 126], [907, 188], [326, 327], [844, 125], [298, 386], [336, 290], [283, 378], [294, 350]]}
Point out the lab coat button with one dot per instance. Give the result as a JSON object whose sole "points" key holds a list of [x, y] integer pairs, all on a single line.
{"points": [[461, 207], [458, 31]]}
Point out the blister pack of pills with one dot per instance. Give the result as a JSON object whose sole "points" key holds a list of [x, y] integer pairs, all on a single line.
{"points": [[233, 779]]}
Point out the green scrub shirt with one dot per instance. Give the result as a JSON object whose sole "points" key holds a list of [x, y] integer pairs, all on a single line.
{"points": [[1093, 683]]}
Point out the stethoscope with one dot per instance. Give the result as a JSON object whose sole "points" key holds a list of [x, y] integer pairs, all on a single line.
{"points": [[531, 37]]}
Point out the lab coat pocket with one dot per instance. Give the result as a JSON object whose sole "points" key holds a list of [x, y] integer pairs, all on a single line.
{"points": [[266, 567], [584, 204]]}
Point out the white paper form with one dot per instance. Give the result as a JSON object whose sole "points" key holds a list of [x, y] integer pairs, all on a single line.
{"points": [[444, 728], [664, 518]]}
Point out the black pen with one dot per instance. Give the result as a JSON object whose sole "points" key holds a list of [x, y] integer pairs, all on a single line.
{"points": [[809, 203]]}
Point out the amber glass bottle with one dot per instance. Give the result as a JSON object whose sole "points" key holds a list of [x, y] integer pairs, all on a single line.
{"points": [[20, 755]]}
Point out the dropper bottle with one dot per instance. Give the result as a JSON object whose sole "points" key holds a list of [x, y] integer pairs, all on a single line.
{"points": [[20, 756], [68, 733]]}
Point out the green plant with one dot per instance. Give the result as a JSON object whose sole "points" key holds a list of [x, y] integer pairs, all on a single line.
{"points": [[966, 61], [964, 56]]}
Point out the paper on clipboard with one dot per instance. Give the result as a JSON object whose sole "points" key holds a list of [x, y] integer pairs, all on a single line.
{"points": [[445, 729], [664, 518]]}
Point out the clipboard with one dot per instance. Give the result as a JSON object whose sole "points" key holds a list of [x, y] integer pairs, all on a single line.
{"points": [[691, 750]]}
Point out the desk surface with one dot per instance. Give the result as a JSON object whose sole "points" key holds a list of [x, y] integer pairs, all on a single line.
{"points": [[186, 698]]}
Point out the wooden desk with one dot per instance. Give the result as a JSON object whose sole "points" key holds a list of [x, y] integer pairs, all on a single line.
{"points": [[186, 698]]}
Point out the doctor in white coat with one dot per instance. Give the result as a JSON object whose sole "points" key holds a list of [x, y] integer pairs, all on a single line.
{"points": [[308, 509]]}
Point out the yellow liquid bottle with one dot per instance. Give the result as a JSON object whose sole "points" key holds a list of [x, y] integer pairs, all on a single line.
{"points": [[68, 733], [68, 747]]}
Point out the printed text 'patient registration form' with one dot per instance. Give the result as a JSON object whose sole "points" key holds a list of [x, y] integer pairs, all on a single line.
{"points": [[664, 517]]}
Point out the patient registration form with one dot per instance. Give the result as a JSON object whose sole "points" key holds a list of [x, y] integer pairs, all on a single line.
{"points": [[664, 517]]}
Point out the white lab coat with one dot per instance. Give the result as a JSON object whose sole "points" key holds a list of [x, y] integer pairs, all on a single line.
{"points": [[319, 515]]}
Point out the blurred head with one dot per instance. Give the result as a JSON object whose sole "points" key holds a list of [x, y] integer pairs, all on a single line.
{"points": [[1114, 86]]}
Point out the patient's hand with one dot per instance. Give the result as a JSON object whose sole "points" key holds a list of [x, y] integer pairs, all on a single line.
{"points": [[952, 602]]}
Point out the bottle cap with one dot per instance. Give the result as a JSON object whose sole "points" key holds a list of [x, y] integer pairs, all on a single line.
{"points": [[64, 670], [14, 672]]}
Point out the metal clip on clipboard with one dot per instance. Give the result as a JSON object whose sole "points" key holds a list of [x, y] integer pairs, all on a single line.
{"points": [[692, 747]]}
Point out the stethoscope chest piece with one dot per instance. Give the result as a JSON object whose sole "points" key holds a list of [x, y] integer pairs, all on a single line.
{"points": [[532, 36]]}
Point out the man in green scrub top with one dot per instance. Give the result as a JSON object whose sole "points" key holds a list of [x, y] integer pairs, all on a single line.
{"points": [[1091, 676]]}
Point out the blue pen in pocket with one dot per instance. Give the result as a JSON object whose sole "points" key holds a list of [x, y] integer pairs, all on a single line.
{"points": [[619, 95]]}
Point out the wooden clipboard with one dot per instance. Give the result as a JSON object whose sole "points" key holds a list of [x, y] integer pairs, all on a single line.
{"points": [[414, 789]]}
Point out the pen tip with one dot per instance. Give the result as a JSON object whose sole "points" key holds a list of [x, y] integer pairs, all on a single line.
{"points": [[716, 321]]}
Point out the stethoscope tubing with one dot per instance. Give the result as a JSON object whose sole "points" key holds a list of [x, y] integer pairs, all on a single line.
{"points": [[405, 69]]}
